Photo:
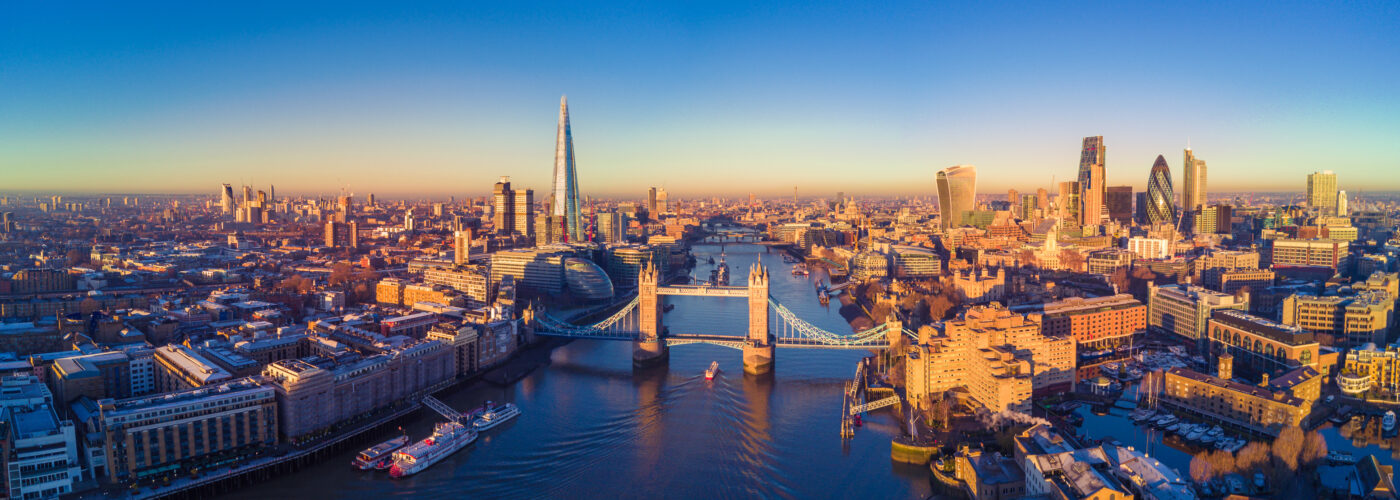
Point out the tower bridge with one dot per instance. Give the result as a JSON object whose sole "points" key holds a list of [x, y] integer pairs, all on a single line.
{"points": [[640, 322]]}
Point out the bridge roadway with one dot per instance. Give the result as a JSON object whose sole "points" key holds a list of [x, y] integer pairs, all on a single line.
{"points": [[704, 290], [731, 341]]}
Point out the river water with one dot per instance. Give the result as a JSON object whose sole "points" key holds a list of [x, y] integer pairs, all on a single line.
{"points": [[592, 427]]}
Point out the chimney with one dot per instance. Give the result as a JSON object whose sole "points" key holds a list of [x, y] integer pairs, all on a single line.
{"points": [[1264, 380]]}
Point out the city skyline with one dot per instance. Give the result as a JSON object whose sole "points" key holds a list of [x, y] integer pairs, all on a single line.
{"points": [[311, 101]]}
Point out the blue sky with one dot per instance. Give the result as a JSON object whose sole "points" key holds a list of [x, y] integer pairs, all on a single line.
{"points": [[698, 97]]}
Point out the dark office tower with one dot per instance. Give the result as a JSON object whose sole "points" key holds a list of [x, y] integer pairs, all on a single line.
{"points": [[651, 203], [1160, 199], [503, 207], [1092, 157], [1140, 210], [1012, 199], [1193, 182], [1223, 219], [565, 196], [1029, 208], [1120, 203], [370, 200], [524, 212], [273, 189]]}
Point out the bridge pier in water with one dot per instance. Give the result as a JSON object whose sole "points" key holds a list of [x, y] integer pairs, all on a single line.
{"points": [[759, 346], [649, 349]]}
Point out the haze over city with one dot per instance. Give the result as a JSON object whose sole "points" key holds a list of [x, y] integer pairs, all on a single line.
{"points": [[924, 250], [702, 99]]}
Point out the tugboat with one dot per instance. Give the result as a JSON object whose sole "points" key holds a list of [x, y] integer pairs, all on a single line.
{"points": [[379, 456], [495, 416], [447, 438], [714, 368]]}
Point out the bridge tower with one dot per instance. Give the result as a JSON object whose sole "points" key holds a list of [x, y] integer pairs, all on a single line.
{"points": [[758, 348], [650, 349]]}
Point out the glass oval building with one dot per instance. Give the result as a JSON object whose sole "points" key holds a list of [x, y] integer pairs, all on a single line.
{"points": [[586, 280], [1160, 199]]}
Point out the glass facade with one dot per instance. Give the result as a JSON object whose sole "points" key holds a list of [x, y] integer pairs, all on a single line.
{"points": [[586, 280], [565, 198], [1160, 199], [957, 189]]}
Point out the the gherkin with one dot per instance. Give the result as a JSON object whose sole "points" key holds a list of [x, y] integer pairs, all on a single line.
{"points": [[1160, 199]]}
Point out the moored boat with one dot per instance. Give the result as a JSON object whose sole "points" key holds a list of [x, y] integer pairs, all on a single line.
{"points": [[1388, 421], [495, 416], [379, 456], [447, 438]]}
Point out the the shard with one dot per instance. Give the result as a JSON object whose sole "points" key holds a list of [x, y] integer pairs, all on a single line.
{"points": [[1160, 199], [565, 198]]}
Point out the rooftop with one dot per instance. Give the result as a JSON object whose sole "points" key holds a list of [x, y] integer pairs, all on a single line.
{"points": [[1290, 335]]}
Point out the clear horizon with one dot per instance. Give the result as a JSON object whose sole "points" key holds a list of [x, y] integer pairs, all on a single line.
{"points": [[712, 99]]}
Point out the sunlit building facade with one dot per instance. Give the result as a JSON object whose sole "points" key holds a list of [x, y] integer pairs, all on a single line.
{"points": [[957, 189]]}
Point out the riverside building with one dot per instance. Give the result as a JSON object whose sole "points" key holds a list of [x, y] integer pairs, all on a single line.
{"points": [[164, 433]]}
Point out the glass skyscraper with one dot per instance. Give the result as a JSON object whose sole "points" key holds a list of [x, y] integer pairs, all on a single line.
{"points": [[565, 197], [1160, 198], [957, 190], [1193, 189], [1092, 159], [1322, 191]]}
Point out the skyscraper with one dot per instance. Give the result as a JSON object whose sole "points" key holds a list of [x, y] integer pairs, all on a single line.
{"points": [[565, 196], [957, 189], [461, 246], [1068, 200], [1119, 200], [1342, 203], [524, 212], [226, 198], [1160, 199], [1322, 190], [1193, 182], [503, 206], [1092, 157], [651, 202]]}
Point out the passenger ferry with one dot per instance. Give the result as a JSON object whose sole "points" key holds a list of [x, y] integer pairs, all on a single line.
{"points": [[447, 438], [379, 456], [495, 416], [714, 368]]}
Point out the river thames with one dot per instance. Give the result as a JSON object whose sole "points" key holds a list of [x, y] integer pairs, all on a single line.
{"points": [[592, 427]]}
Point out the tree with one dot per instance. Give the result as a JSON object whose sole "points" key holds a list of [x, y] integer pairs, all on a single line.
{"points": [[1222, 463], [340, 273], [1026, 258], [77, 257], [1252, 456], [1287, 448], [1071, 259], [1200, 468], [1314, 450], [1119, 278]]}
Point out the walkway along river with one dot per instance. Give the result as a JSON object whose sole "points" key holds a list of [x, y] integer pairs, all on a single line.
{"points": [[593, 427]]}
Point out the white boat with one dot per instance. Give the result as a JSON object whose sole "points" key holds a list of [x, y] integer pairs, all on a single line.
{"points": [[1208, 439], [1195, 434], [379, 456], [1172, 428], [495, 416], [447, 438], [714, 368], [1216, 431], [1388, 421]]}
